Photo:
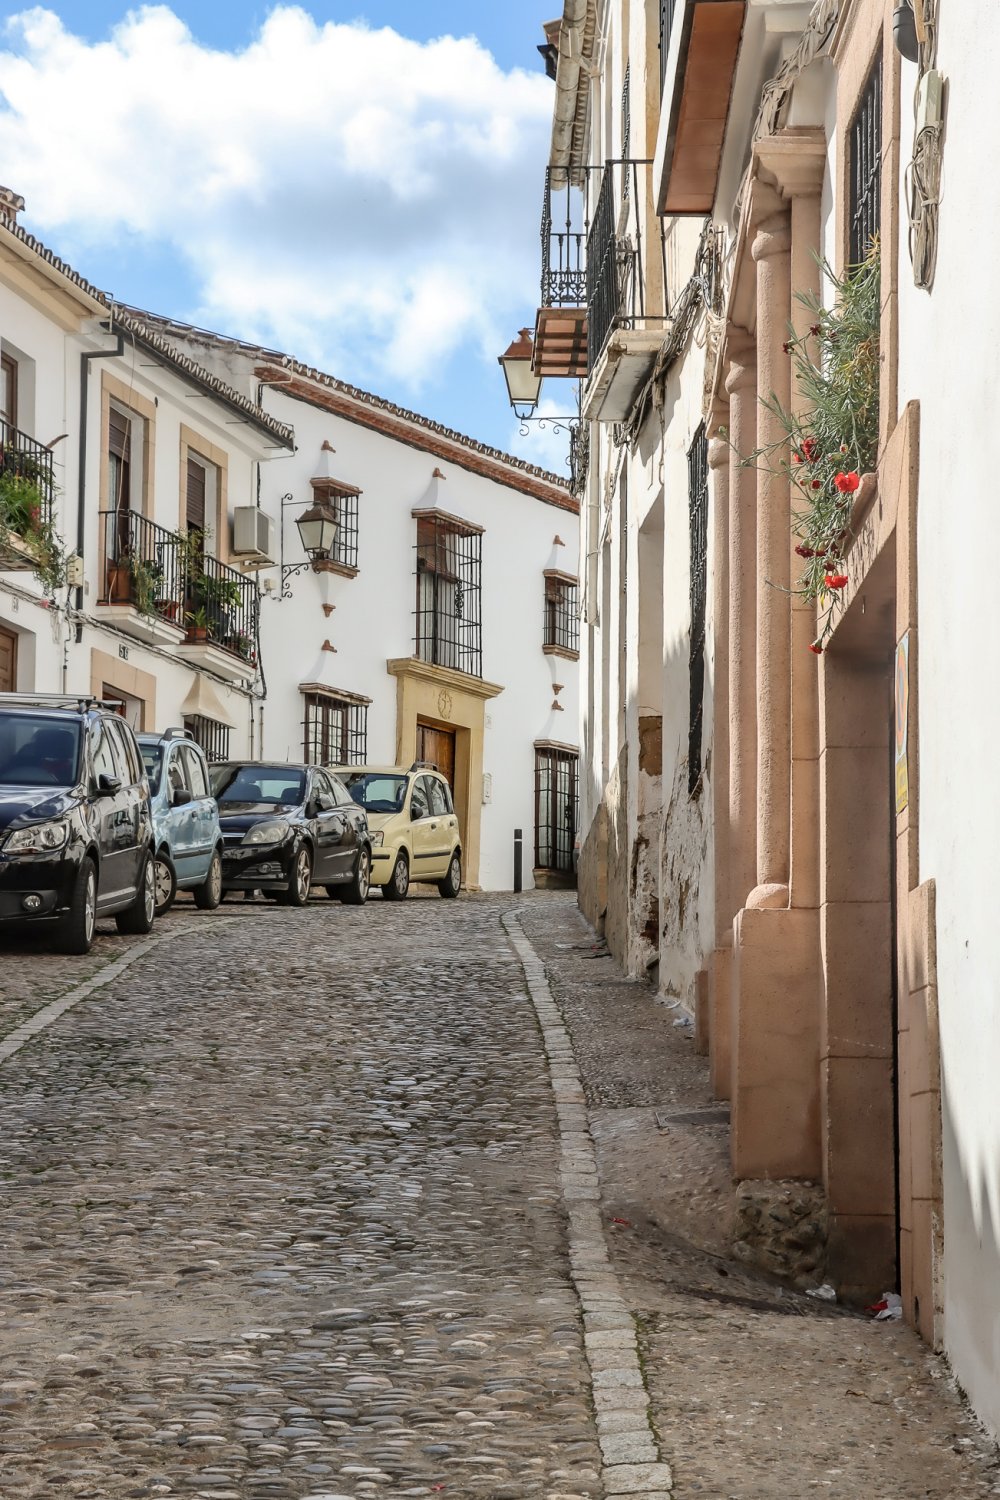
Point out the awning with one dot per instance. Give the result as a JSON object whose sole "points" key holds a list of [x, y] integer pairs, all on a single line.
{"points": [[204, 702]]}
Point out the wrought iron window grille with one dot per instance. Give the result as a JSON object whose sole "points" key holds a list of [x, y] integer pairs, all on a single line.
{"points": [[335, 730], [343, 501], [698, 516], [557, 800], [449, 594], [866, 167], [562, 613], [25, 458], [668, 9], [212, 736], [564, 233]]}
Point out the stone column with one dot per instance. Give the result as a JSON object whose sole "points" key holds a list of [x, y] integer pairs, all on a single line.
{"points": [[741, 385], [712, 1027], [770, 251], [804, 189]]}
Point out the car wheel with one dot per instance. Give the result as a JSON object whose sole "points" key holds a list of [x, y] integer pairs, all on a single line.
{"points": [[138, 918], [355, 893], [165, 878], [76, 929], [398, 883], [298, 887], [452, 882], [208, 895]]}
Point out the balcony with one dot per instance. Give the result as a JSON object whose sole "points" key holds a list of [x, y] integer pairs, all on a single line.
{"points": [[221, 618], [626, 316], [27, 489], [159, 587], [561, 326], [699, 46], [143, 577]]}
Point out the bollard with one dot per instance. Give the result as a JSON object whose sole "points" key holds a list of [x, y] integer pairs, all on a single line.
{"points": [[517, 860]]}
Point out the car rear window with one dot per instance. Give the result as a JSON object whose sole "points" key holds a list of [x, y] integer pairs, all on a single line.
{"points": [[38, 750], [256, 785], [152, 759]]}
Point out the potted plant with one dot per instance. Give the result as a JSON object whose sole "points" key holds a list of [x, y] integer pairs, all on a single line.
{"points": [[197, 626], [23, 520], [147, 577]]}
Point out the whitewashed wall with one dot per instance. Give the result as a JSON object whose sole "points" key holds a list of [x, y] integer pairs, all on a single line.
{"points": [[950, 362]]}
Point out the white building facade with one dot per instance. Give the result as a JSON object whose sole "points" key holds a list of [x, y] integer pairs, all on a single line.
{"points": [[786, 813], [444, 627], [130, 459]]}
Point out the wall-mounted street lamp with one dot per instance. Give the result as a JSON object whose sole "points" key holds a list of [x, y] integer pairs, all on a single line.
{"points": [[318, 528], [523, 385]]}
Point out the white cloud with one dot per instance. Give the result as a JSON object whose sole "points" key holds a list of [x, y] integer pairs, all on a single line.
{"points": [[331, 188]]}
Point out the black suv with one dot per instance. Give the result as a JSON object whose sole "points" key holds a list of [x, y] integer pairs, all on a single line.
{"points": [[76, 834]]}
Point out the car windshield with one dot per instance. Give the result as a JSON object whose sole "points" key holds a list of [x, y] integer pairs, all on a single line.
{"points": [[377, 791], [38, 750], [152, 759], [255, 786]]}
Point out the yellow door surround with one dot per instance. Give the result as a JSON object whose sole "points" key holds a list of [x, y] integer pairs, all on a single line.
{"points": [[455, 701]]}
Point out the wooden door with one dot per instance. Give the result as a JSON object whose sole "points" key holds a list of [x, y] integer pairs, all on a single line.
{"points": [[8, 661], [438, 746]]}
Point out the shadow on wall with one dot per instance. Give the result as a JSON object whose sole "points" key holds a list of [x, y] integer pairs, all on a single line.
{"points": [[971, 1262]]}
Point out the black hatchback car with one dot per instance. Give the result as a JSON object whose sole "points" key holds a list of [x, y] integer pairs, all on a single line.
{"points": [[76, 833], [288, 827]]}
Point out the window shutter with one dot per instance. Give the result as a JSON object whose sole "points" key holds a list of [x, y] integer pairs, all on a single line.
{"points": [[195, 511]]}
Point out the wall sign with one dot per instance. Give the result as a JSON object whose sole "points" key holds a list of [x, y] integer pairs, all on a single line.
{"points": [[902, 715]]}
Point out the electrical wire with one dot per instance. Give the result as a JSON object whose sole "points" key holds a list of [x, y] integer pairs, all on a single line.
{"points": [[923, 174]]}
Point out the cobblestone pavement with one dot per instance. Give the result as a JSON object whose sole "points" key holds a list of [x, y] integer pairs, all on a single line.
{"points": [[283, 1213], [281, 1217]]}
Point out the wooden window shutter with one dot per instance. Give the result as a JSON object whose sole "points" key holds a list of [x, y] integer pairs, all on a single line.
{"points": [[195, 513], [119, 434]]}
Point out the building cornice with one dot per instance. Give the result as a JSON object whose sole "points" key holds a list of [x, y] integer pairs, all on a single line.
{"points": [[427, 671]]}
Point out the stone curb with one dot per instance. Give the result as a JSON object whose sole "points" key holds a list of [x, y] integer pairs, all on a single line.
{"points": [[631, 1462]]}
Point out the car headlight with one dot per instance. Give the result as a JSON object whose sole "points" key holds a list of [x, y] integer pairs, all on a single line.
{"points": [[42, 838], [377, 836], [271, 831]]}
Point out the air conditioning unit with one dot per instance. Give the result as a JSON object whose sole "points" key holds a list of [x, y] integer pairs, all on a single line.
{"points": [[253, 536]]}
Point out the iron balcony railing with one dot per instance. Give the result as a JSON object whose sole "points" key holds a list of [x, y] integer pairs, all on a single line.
{"points": [[223, 607], [564, 277], [616, 269], [24, 458], [166, 573], [144, 565]]}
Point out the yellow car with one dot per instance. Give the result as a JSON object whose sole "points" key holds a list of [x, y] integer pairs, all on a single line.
{"points": [[413, 827]]}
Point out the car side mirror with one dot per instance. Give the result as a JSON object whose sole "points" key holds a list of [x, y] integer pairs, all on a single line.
{"points": [[325, 802], [416, 812], [181, 796], [108, 786]]}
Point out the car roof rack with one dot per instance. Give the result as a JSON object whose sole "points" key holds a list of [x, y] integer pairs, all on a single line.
{"points": [[426, 765], [177, 732], [58, 700]]}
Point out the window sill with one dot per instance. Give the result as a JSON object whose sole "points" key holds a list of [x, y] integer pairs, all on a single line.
{"points": [[327, 565], [564, 651]]}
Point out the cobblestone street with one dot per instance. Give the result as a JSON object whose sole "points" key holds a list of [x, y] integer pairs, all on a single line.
{"points": [[296, 1206]]}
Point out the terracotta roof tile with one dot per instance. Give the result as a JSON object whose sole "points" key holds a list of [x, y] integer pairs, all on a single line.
{"points": [[395, 421]]}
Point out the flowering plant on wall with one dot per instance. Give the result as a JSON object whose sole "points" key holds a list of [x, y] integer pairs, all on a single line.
{"points": [[833, 440]]}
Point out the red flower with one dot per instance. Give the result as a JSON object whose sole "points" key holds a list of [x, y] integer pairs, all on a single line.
{"points": [[817, 648], [805, 551], [816, 484], [787, 348], [835, 580], [847, 483], [810, 450], [814, 329]]}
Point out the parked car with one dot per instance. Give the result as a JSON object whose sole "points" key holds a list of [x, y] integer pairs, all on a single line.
{"points": [[186, 830], [414, 830], [76, 829], [288, 827]]}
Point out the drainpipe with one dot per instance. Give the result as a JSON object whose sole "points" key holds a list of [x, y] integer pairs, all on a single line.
{"points": [[567, 82], [81, 500]]}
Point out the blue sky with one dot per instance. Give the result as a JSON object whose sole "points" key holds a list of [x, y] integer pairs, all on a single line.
{"points": [[367, 199]]}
